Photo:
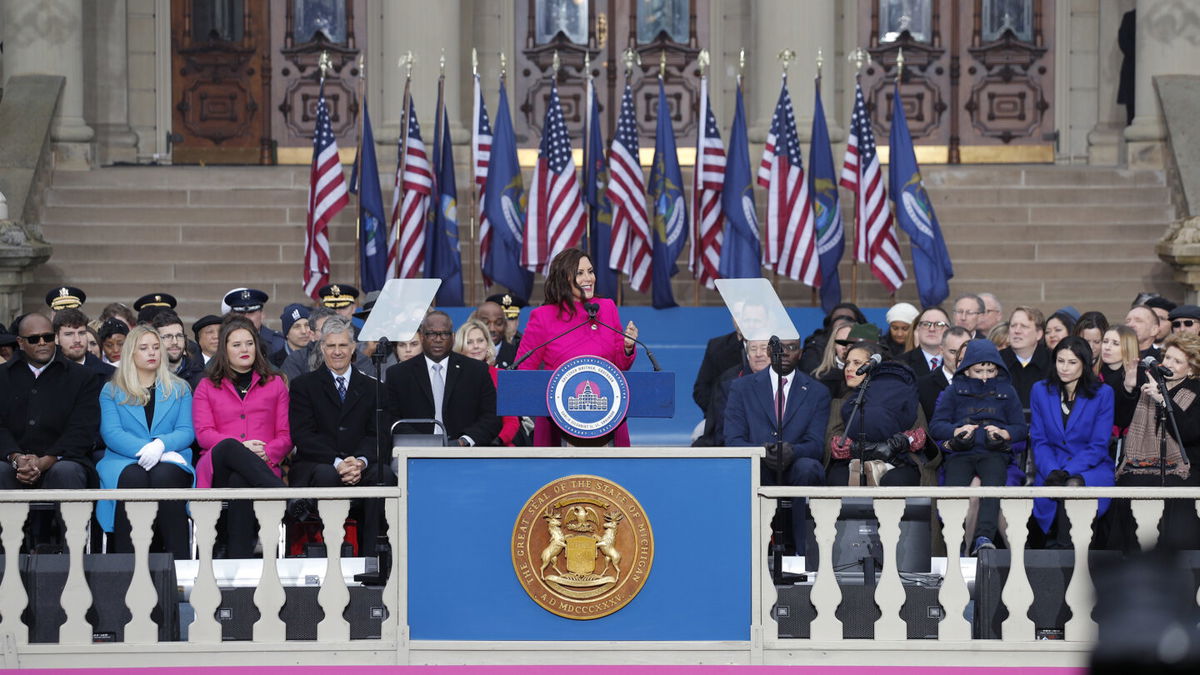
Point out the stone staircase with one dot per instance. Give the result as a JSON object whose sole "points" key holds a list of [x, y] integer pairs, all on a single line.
{"points": [[1042, 235]]}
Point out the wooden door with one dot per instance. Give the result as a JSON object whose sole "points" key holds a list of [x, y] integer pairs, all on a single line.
{"points": [[300, 31], [603, 30], [220, 66], [978, 76]]}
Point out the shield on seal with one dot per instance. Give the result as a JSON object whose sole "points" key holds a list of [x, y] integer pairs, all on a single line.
{"points": [[581, 555]]}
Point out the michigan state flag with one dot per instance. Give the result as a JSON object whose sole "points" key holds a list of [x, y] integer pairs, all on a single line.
{"points": [[827, 212], [443, 259], [504, 203], [669, 222]]}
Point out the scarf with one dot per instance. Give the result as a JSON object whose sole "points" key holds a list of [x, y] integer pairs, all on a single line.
{"points": [[1142, 442]]}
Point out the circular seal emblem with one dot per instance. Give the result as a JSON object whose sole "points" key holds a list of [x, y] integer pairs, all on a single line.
{"points": [[587, 396], [582, 547]]}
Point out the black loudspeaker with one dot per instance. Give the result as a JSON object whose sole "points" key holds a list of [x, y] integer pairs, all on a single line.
{"points": [[1048, 571], [858, 537], [794, 611], [301, 613], [108, 576]]}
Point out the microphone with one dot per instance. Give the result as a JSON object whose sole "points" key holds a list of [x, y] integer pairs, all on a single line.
{"points": [[1150, 364], [867, 367], [592, 308], [775, 348]]}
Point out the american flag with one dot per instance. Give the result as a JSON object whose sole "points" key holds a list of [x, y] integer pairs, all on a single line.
{"points": [[631, 252], [556, 217], [327, 195], [481, 152], [791, 231], [709, 178], [874, 237], [410, 206]]}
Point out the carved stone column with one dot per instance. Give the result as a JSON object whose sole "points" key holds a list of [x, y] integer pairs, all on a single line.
{"points": [[1165, 45], [1104, 140], [46, 37], [426, 38], [107, 102]]}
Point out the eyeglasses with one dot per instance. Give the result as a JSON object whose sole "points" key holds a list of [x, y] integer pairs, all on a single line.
{"points": [[933, 324], [1181, 323], [965, 312], [39, 338], [438, 333], [173, 337], [758, 350]]}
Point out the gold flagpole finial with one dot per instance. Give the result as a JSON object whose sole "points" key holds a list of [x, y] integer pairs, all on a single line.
{"points": [[362, 66], [631, 57], [820, 62], [555, 64], [703, 61], [859, 57], [406, 61], [474, 61], [503, 65], [900, 64], [741, 61], [587, 65], [787, 56], [324, 64], [662, 64], [442, 63]]}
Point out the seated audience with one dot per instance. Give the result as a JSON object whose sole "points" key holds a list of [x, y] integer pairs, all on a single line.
{"points": [[1185, 319], [112, 338], [1026, 360], [174, 343], [207, 330], [932, 385], [1058, 326], [833, 360], [146, 422], [814, 344], [71, 334], [900, 318], [1091, 327], [1145, 324], [993, 314], [296, 334], [491, 314], [968, 309], [924, 356], [473, 341]]}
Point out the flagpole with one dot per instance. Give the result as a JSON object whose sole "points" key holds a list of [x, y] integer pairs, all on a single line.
{"points": [[436, 163], [817, 81], [859, 58], [361, 91], [471, 212], [697, 174], [406, 62]]}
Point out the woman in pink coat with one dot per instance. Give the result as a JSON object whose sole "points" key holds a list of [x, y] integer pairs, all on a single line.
{"points": [[570, 283], [240, 411]]}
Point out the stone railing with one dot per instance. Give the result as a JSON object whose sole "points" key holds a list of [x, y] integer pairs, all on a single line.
{"points": [[268, 643]]}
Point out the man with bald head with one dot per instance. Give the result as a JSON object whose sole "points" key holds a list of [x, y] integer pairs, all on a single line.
{"points": [[492, 316]]}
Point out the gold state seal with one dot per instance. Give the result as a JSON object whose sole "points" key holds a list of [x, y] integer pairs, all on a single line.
{"points": [[582, 547]]}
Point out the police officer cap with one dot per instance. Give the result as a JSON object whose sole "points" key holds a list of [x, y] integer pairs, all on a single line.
{"points": [[337, 296], [246, 300], [65, 297], [204, 322], [511, 304], [158, 300]]}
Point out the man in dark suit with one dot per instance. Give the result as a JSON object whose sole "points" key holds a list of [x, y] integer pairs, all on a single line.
{"points": [[926, 357], [722, 353], [492, 316], [445, 386], [750, 420], [332, 419], [930, 386], [1026, 356], [71, 335], [49, 417]]}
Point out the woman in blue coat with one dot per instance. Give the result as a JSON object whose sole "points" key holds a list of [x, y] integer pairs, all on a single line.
{"points": [[1071, 419], [146, 422]]}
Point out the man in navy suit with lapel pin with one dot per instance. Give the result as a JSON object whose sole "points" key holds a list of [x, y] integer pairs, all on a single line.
{"points": [[332, 418], [443, 385], [750, 419]]}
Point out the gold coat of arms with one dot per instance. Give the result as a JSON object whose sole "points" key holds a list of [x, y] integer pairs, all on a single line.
{"points": [[582, 547]]}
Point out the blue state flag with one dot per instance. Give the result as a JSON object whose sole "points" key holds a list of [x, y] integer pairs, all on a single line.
{"points": [[595, 177], [827, 211], [741, 247], [670, 218], [372, 224], [443, 260], [504, 203], [914, 213]]}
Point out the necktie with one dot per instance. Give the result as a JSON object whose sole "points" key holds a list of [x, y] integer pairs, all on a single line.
{"points": [[439, 390], [935, 362], [341, 386], [781, 398]]}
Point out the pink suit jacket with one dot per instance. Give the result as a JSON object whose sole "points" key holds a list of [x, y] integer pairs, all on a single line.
{"points": [[219, 413], [544, 323]]}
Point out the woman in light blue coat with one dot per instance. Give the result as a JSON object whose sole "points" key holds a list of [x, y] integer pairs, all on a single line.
{"points": [[146, 422]]}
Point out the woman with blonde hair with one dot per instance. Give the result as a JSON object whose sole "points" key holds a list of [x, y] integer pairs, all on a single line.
{"points": [[829, 372], [146, 422], [1119, 370], [473, 340]]}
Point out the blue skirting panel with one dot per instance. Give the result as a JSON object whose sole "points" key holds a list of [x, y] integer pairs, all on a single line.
{"points": [[462, 585]]}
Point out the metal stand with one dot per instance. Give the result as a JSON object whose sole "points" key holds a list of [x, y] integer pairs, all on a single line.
{"points": [[382, 548], [1165, 413]]}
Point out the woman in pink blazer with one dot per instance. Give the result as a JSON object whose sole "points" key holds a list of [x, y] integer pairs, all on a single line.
{"points": [[570, 283], [240, 411]]}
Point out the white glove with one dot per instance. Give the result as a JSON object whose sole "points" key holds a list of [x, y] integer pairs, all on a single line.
{"points": [[150, 453], [174, 457]]}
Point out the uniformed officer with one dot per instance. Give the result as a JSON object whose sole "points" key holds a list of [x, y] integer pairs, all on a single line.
{"points": [[64, 297], [249, 303], [511, 304], [151, 304], [341, 298]]}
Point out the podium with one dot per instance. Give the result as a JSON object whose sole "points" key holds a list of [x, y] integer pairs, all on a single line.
{"points": [[523, 392]]}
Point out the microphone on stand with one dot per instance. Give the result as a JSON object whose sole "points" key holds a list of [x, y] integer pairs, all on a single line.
{"points": [[867, 367], [1152, 365], [775, 348], [592, 308]]}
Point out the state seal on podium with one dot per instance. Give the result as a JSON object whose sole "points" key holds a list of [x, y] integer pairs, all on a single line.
{"points": [[587, 396], [582, 547]]}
